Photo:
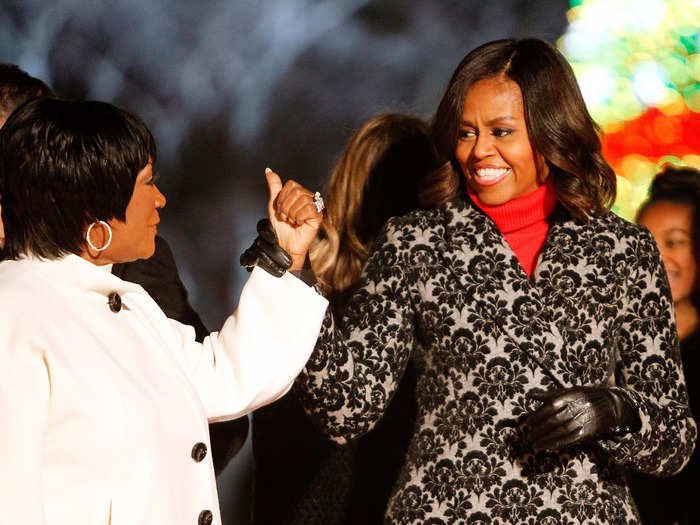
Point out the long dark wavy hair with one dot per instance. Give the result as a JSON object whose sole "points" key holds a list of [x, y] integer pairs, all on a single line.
{"points": [[679, 185], [558, 124], [376, 177]]}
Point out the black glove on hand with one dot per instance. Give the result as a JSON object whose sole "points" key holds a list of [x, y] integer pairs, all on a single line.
{"points": [[569, 416], [265, 252]]}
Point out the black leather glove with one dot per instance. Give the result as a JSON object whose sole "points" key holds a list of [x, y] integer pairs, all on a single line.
{"points": [[569, 416], [265, 252]]}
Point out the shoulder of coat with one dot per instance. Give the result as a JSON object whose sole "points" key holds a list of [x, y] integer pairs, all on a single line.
{"points": [[431, 217], [21, 291], [418, 219], [619, 226]]}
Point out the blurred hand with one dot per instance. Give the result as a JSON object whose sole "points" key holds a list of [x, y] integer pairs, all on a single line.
{"points": [[569, 416], [293, 216]]}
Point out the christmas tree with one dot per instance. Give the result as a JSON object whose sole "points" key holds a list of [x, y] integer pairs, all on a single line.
{"points": [[638, 66]]}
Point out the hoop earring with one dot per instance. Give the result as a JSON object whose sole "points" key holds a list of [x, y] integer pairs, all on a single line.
{"points": [[109, 238]]}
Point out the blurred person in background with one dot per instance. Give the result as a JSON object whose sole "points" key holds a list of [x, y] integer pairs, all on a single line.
{"points": [[672, 214], [157, 274], [16, 87], [300, 476]]}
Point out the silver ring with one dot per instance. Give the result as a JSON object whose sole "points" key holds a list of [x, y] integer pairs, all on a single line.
{"points": [[318, 202]]}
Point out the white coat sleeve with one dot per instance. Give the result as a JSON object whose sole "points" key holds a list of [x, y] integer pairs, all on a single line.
{"points": [[24, 399], [261, 348]]}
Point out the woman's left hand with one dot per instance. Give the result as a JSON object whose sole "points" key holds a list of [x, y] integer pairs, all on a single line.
{"points": [[294, 217], [569, 416]]}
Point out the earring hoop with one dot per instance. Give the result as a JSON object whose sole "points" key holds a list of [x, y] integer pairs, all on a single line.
{"points": [[109, 237]]}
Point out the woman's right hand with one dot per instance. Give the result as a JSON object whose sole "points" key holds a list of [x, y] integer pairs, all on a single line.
{"points": [[294, 217]]}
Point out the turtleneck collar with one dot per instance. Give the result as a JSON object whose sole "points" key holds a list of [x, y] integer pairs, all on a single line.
{"points": [[523, 222], [522, 212]]}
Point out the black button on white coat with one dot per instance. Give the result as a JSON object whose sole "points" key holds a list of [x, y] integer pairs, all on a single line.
{"points": [[115, 302], [199, 451], [205, 518]]}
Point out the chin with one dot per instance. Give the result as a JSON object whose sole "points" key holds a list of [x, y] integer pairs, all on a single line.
{"points": [[149, 253], [493, 198], [144, 253]]}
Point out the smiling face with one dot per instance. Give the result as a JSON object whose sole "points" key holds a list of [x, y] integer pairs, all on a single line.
{"points": [[493, 147], [671, 224], [135, 237]]}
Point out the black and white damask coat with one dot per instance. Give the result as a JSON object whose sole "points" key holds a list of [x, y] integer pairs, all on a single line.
{"points": [[445, 287]]}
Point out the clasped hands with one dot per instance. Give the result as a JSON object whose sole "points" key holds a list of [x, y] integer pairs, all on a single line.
{"points": [[569, 416], [284, 239]]}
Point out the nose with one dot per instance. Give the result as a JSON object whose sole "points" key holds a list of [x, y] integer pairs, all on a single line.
{"points": [[483, 147], [160, 198]]}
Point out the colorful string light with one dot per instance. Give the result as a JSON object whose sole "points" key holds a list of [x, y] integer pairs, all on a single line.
{"points": [[638, 66]]}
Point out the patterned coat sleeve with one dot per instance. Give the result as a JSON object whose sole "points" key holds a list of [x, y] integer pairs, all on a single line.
{"points": [[354, 371], [649, 370]]}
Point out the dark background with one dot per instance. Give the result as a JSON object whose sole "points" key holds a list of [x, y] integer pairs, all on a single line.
{"points": [[229, 87]]}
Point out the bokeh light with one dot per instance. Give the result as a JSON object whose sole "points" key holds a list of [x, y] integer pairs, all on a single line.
{"points": [[638, 66]]}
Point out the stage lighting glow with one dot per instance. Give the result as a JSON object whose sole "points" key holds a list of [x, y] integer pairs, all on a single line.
{"points": [[650, 83], [645, 15], [579, 44], [597, 84], [638, 67]]}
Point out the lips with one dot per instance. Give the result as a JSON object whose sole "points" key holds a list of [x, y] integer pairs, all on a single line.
{"points": [[489, 176]]}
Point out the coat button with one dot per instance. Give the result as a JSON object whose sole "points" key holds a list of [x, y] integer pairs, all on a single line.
{"points": [[199, 452], [205, 518], [115, 302]]}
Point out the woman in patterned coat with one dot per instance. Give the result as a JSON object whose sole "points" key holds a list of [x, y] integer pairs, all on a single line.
{"points": [[540, 323]]}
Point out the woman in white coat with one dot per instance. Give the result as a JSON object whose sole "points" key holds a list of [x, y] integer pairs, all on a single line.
{"points": [[104, 402]]}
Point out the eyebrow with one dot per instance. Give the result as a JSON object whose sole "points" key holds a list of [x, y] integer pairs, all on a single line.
{"points": [[677, 229], [490, 122]]}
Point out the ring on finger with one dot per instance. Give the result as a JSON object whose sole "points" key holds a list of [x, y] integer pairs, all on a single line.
{"points": [[318, 202]]}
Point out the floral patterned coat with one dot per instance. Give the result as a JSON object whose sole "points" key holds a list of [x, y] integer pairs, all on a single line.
{"points": [[444, 286]]}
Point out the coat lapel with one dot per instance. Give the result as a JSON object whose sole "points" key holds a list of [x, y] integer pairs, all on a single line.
{"points": [[581, 279], [497, 288]]}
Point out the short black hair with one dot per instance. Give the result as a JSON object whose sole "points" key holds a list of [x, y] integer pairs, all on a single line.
{"points": [[16, 87], [64, 165]]}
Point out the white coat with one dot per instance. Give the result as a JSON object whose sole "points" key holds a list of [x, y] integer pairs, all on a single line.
{"points": [[103, 414]]}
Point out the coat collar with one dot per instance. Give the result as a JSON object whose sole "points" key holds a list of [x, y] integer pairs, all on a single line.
{"points": [[487, 269], [75, 272]]}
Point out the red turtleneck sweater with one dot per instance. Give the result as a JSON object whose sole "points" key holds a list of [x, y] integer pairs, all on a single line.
{"points": [[523, 222]]}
